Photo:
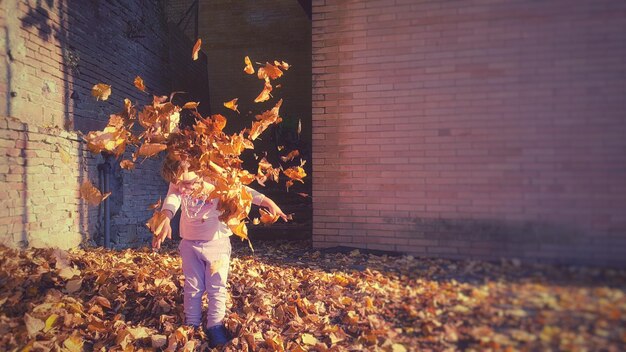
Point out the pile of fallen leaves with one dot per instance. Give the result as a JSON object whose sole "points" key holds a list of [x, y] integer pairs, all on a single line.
{"points": [[291, 298]]}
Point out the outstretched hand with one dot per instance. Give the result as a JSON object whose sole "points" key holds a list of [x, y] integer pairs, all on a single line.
{"points": [[160, 227]]}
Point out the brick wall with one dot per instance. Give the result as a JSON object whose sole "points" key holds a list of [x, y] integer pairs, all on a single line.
{"points": [[53, 52], [471, 129]]}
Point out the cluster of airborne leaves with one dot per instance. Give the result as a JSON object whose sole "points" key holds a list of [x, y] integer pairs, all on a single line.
{"points": [[295, 299], [204, 149]]}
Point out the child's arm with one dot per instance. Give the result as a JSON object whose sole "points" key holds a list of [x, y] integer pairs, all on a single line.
{"points": [[264, 201], [170, 207]]}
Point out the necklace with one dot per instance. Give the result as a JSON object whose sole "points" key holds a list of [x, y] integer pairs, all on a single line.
{"points": [[193, 204]]}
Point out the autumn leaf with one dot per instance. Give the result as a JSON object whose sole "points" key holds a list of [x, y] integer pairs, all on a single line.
{"points": [[149, 149], [101, 91], [127, 164], [33, 325], [155, 223], [139, 84], [269, 71], [74, 343], [290, 156], [196, 49], [267, 218], [191, 105], [248, 69], [65, 156], [285, 66], [265, 93], [91, 194], [232, 105]]}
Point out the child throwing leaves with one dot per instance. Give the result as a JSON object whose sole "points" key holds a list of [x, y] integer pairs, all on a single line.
{"points": [[205, 247]]}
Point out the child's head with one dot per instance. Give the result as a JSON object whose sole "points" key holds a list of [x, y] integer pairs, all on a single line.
{"points": [[170, 168]]}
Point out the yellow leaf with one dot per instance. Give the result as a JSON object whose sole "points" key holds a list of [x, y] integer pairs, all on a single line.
{"points": [[74, 343], [101, 91], [396, 347], [139, 84], [50, 322], [65, 156], [232, 104], [309, 339], [248, 69], [265, 93]]}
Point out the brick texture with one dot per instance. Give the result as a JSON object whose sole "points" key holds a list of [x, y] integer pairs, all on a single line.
{"points": [[471, 129], [53, 52]]}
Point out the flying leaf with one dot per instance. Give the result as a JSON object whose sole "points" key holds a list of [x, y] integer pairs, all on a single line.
{"points": [[267, 218], [248, 69], [65, 156], [149, 149], [285, 66], [269, 71], [101, 91], [290, 156], [127, 164], [155, 223], [265, 93], [196, 49], [232, 104], [139, 84], [191, 105], [91, 194]]}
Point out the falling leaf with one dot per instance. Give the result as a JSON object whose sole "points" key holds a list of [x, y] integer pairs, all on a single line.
{"points": [[155, 223], [267, 218], [65, 156], [191, 105], [269, 71], [285, 66], [248, 69], [232, 105], [196, 49], [139, 84], [265, 93], [299, 127], [127, 164], [290, 156], [150, 149], [305, 195], [101, 91], [91, 194]]}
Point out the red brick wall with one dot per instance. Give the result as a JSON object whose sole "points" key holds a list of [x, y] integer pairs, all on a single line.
{"points": [[471, 129]]}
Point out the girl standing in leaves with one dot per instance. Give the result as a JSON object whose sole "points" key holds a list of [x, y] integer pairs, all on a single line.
{"points": [[205, 247]]}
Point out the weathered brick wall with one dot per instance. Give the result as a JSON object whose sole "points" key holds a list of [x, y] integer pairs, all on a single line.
{"points": [[39, 202], [53, 52], [480, 129]]}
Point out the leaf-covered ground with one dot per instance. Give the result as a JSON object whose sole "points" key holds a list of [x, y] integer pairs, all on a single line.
{"points": [[288, 297]]}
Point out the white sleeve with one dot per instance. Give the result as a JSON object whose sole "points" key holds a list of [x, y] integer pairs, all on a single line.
{"points": [[257, 197], [172, 200]]}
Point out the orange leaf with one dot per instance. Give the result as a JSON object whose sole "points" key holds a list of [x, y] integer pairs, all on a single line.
{"points": [[285, 66], [156, 220], [248, 69], [196, 49], [232, 104], [139, 84], [149, 149], [269, 71], [91, 194], [191, 105], [290, 156], [101, 91], [265, 93], [127, 164], [267, 218]]}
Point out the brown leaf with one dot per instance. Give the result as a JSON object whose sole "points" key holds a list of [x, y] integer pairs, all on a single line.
{"points": [[232, 105], [191, 105], [150, 149], [139, 84], [91, 194]]}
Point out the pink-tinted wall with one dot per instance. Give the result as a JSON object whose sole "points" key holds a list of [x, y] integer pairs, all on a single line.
{"points": [[471, 129]]}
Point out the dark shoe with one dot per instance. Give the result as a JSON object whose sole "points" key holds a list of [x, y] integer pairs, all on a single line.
{"points": [[218, 335]]}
